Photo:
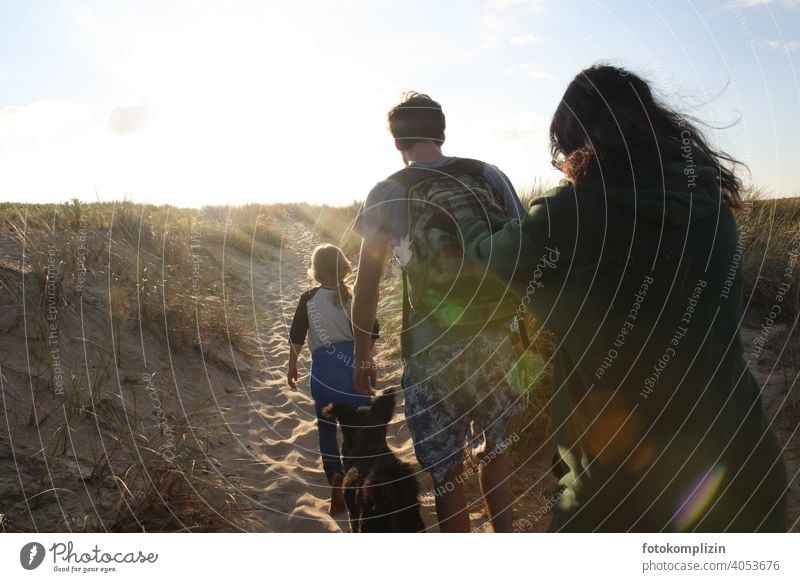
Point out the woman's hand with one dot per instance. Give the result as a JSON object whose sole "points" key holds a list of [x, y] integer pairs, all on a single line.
{"points": [[291, 377]]}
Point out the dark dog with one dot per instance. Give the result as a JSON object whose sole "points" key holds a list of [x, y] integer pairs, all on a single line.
{"points": [[380, 490]]}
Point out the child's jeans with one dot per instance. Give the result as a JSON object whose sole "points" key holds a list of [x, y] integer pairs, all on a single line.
{"points": [[332, 369]]}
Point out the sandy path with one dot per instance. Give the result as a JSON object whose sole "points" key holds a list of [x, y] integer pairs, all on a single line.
{"points": [[272, 452], [276, 451], [277, 454]]}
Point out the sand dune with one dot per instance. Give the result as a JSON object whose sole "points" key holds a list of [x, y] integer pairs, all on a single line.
{"points": [[264, 441], [282, 466]]}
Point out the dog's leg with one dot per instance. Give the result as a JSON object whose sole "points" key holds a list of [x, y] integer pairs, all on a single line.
{"points": [[352, 508]]}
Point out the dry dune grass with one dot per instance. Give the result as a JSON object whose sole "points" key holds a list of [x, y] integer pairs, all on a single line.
{"points": [[85, 287], [159, 404], [770, 233]]}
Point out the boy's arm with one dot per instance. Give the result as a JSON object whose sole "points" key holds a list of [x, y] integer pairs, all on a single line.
{"points": [[365, 307]]}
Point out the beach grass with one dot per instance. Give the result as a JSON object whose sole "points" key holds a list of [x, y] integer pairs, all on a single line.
{"points": [[119, 274]]}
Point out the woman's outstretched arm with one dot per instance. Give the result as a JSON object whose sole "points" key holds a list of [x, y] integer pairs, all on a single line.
{"points": [[512, 248]]}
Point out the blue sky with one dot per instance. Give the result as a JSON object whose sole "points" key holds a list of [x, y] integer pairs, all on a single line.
{"points": [[207, 102]]}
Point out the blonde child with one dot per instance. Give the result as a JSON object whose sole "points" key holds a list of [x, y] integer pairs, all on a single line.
{"points": [[323, 318]]}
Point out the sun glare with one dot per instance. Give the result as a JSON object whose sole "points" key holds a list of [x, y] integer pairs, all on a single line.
{"points": [[233, 106]]}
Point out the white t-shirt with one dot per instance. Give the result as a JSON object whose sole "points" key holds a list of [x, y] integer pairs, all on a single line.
{"points": [[323, 322]]}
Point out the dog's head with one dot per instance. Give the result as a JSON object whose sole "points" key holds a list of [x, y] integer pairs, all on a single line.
{"points": [[365, 425]]}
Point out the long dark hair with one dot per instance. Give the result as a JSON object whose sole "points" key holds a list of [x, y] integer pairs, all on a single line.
{"points": [[609, 124]]}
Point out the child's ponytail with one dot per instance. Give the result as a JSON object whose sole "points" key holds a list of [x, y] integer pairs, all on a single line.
{"points": [[330, 268], [344, 295]]}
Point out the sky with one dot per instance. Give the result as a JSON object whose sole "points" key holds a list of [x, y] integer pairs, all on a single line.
{"points": [[195, 103]]}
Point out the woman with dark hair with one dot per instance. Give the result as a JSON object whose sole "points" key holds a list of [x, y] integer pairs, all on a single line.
{"points": [[632, 264]]}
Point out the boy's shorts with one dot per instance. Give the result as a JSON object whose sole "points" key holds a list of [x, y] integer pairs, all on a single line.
{"points": [[459, 390]]}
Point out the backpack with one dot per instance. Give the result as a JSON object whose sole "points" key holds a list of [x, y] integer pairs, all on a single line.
{"points": [[441, 283]]}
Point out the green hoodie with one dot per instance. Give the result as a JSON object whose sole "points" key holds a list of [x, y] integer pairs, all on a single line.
{"points": [[655, 412]]}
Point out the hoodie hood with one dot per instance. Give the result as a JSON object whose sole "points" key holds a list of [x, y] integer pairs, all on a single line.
{"points": [[685, 192]]}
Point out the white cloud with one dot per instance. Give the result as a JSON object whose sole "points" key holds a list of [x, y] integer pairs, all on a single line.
{"points": [[48, 148], [508, 4], [226, 128], [517, 133], [500, 18], [531, 71], [774, 44], [128, 120], [524, 40], [749, 3], [523, 126], [45, 116], [756, 3]]}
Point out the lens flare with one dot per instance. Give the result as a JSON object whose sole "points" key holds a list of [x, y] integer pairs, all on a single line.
{"points": [[698, 501]]}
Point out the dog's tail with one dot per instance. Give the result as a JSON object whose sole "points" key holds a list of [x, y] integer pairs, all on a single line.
{"points": [[395, 498]]}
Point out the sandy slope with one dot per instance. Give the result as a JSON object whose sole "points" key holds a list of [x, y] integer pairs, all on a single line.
{"points": [[266, 443], [277, 452], [271, 449], [283, 465]]}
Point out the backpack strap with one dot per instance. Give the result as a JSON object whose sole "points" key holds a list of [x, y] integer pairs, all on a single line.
{"points": [[405, 332], [412, 175]]}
